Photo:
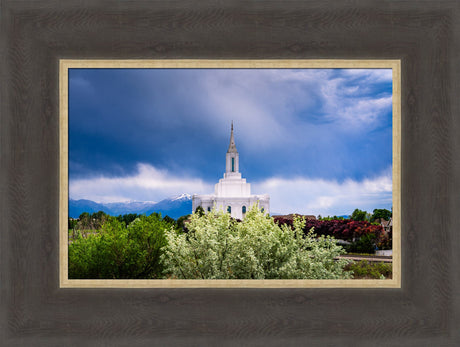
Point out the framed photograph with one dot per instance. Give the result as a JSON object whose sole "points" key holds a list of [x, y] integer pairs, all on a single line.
{"points": [[45, 44], [299, 111]]}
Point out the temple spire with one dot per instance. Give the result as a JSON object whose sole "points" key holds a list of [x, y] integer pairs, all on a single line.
{"points": [[232, 146], [232, 158]]}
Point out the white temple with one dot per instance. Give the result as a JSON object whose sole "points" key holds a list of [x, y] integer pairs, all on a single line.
{"points": [[232, 193]]}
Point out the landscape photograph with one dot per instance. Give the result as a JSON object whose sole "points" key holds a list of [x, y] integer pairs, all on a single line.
{"points": [[230, 173]]}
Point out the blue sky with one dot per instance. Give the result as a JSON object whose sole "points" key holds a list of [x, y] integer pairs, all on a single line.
{"points": [[319, 141]]}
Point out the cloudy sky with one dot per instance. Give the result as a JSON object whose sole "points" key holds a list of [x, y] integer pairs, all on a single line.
{"points": [[319, 141]]}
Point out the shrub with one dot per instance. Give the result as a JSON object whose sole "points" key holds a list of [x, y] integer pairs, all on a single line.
{"points": [[181, 223], [120, 251], [365, 244], [360, 233], [384, 241], [365, 269], [128, 218], [218, 247]]}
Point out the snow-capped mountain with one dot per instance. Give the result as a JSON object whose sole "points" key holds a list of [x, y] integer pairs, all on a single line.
{"points": [[173, 207], [182, 197]]}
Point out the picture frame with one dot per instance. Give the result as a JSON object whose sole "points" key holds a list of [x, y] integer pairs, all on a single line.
{"points": [[37, 311]]}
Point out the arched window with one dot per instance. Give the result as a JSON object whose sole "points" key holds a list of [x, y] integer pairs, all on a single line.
{"points": [[209, 209], [243, 209], [229, 209], [233, 164], [263, 210]]}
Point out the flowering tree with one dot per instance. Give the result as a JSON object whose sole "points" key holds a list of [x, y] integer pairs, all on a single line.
{"points": [[218, 247]]}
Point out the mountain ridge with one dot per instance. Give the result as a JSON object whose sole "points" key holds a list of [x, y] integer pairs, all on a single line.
{"points": [[173, 207]]}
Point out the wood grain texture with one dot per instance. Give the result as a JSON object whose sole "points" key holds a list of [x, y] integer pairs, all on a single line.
{"points": [[36, 34]]}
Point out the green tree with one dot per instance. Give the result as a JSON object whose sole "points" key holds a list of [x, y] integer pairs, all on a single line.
{"points": [[99, 255], [148, 236], [381, 213], [169, 220], [180, 223], [72, 223], [358, 215], [120, 251], [84, 221], [218, 247], [128, 218], [365, 244], [88, 222], [199, 211]]}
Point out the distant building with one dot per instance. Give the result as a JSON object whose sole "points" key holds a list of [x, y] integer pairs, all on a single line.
{"points": [[232, 193], [387, 225]]}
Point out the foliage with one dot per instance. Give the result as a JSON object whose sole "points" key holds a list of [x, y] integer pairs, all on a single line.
{"points": [[330, 218], [72, 223], [87, 223], [358, 215], [384, 241], [365, 244], [199, 211], [180, 223], [169, 220], [366, 269], [381, 213], [120, 251], [128, 218], [344, 229], [219, 247], [362, 234]]}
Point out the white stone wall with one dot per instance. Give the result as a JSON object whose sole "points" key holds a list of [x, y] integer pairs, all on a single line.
{"points": [[232, 187], [204, 201], [236, 203], [233, 191]]}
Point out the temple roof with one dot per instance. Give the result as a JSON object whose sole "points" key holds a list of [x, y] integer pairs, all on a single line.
{"points": [[232, 146]]}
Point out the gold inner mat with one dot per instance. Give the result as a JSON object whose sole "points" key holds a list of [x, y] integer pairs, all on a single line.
{"points": [[66, 64]]}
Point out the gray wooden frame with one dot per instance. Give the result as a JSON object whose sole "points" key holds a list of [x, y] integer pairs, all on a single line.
{"points": [[34, 311]]}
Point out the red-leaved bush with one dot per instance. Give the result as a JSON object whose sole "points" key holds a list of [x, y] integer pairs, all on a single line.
{"points": [[346, 229]]}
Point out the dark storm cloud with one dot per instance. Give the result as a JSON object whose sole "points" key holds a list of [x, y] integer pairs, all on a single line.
{"points": [[333, 125]]}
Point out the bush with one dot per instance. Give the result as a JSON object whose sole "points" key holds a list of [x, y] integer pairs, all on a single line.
{"points": [[384, 241], [120, 251], [365, 244], [364, 269], [218, 247], [362, 234], [128, 218], [181, 223]]}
